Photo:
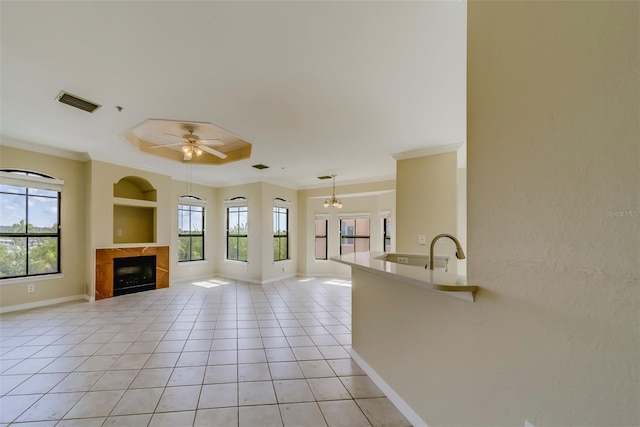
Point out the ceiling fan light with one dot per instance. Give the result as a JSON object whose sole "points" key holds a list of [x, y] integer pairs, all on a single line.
{"points": [[198, 151], [185, 149]]}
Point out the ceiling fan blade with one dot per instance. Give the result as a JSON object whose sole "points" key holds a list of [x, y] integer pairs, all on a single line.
{"points": [[167, 145], [212, 142], [176, 136], [214, 152]]}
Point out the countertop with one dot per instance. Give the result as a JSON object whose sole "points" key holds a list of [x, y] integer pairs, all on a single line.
{"points": [[434, 280]]}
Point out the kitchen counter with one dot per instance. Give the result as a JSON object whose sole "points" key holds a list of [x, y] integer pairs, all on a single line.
{"points": [[416, 275]]}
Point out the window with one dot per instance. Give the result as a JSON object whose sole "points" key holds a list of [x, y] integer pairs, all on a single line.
{"points": [[386, 230], [280, 230], [29, 224], [237, 225], [190, 229], [354, 235], [322, 225]]}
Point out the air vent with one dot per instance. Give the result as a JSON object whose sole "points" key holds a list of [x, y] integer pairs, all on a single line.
{"points": [[74, 101], [260, 166], [324, 177]]}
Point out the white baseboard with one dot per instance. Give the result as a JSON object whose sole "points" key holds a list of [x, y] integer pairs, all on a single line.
{"points": [[394, 397], [275, 279], [43, 303], [325, 276]]}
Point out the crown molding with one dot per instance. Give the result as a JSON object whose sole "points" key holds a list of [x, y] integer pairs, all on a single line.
{"points": [[369, 180], [44, 149], [427, 151]]}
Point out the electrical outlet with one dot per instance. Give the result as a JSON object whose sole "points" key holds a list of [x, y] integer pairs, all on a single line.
{"points": [[31, 287], [402, 260], [422, 239], [119, 232]]}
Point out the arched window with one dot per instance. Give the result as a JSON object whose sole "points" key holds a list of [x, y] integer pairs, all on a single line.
{"points": [[237, 229], [29, 223], [280, 229], [190, 228]]}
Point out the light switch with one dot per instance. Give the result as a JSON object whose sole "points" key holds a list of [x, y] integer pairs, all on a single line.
{"points": [[422, 239]]}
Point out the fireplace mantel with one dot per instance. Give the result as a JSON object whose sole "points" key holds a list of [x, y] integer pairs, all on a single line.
{"points": [[104, 266]]}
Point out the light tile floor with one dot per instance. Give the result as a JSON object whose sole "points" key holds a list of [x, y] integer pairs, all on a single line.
{"points": [[210, 353]]}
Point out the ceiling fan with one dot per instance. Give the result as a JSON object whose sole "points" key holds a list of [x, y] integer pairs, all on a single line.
{"points": [[193, 144]]}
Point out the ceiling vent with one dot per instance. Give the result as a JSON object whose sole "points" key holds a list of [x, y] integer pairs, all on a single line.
{"points": [[260, 166], [325, 177], [74, 101]]}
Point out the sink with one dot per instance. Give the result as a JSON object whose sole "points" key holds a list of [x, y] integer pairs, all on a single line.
{"points": [[441, 262]]}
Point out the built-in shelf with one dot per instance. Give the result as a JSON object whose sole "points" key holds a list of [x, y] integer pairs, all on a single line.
{"points": [[134, 211], [134, 202], [135, 187]]}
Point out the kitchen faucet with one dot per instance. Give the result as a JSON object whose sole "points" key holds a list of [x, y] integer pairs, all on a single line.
{"points": [[459, 251]]}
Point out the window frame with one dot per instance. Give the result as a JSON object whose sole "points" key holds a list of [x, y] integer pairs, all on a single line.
{"points": [[241, 205], [386, 237], [324, 236], [32, 180], [352, 238], [192, 202], [280, 206]]}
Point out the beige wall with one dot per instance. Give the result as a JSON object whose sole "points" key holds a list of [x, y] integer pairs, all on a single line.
{"points": [[93, 202], [416, 341], [260, 267], [195, 269], [274, 270], [427, 204], [373, 198], [250, 270], [553, 233], [553, 147], [135, 223], [14, 291], [461, 233], [100, 197], [104, 176], [88, 207]]}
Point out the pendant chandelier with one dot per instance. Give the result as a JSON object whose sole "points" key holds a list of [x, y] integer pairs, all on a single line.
{"points": [[333, 202]]}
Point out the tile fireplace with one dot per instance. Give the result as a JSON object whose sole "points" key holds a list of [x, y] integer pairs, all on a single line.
{"points": [[120, 271]]}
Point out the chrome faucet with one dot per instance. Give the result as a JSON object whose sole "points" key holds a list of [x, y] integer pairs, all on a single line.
{"points": [[459, 251]]}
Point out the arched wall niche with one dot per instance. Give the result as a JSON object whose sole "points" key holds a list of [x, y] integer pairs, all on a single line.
{"points": [[134, 211], [135, 187]]}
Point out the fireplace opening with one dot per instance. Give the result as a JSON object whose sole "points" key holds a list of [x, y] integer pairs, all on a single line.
{"points": [[134, 274]]}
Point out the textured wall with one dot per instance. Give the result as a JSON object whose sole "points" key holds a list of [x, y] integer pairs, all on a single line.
{"points": [[553, 233], [427, 204], [552, 158]]}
